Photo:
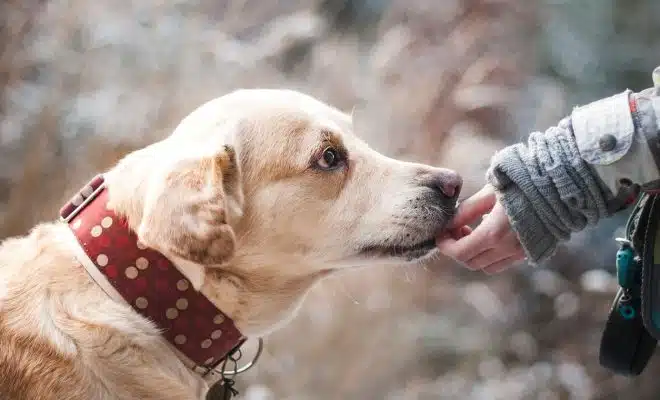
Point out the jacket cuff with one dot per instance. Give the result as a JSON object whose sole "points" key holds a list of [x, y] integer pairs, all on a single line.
{"points": [[612, 135]]}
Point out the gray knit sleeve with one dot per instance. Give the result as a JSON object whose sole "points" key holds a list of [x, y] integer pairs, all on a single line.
{"points": [[548, 190], [580, 171]]}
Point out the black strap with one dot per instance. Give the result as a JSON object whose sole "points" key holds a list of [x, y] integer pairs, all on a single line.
{"points": [[627, 345], [651, 268]]}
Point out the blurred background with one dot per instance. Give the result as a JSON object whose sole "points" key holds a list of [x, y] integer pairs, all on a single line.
{"points": [[445, 82]]}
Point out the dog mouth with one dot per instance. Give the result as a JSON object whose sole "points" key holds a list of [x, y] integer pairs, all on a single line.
{"points": [[407, 252], [423, 244]]}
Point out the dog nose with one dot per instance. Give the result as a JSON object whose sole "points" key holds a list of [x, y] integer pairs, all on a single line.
{"points": [[447, 182]]}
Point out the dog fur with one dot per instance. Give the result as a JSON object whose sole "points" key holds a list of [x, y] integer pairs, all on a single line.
{"points": [[241, 198]]}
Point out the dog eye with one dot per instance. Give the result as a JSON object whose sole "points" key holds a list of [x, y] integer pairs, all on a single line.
{"points": [[330, 159]]}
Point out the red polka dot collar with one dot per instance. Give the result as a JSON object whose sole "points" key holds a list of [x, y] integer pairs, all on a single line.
{"points": [[148, 281]]}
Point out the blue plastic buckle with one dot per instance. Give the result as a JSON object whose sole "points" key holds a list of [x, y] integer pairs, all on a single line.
{"points": [[627, 268]]}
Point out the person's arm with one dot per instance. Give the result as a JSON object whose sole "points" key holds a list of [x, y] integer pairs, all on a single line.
{"points": [[561, 181]]}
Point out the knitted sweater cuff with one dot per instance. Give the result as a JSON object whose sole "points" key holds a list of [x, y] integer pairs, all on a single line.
{"points": [[538, 242], [547, 190]]}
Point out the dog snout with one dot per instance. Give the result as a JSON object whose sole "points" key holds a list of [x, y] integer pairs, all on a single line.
{"points": [[445, 182]]}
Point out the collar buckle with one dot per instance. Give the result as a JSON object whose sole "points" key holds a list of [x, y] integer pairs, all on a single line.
{"points": [[234, 356]]}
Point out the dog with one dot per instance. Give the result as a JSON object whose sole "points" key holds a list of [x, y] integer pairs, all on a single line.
{"points": [[254, 198]]}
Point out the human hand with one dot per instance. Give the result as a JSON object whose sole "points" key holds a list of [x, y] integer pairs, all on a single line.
{"points": [[492, 246]]}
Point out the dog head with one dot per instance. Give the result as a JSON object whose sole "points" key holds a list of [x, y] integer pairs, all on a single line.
{"points": [[278, 177]]}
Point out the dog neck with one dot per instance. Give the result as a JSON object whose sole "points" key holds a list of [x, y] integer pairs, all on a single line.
{"points": [[257, 294]]}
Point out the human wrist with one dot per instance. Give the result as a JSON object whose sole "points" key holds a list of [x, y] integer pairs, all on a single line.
{"points": [[538, 243]]}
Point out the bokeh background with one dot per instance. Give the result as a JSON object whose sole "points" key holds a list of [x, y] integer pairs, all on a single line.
{"points": [[445, 82]]}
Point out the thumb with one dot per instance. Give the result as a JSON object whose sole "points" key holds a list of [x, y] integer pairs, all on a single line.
{"points": [[472, 208]]}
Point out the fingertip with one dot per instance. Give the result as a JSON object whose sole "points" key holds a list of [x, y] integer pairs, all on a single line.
{"points": [[473, 208], [460, 233]]}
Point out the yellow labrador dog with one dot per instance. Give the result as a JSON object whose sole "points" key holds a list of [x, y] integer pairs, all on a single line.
{"points": [[254, 198]]}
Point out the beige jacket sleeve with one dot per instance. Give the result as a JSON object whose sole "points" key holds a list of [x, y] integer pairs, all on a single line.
{"points": [[618, 136]]}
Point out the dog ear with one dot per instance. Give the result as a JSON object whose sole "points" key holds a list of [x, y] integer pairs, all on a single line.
{"points": [[189, 209]]}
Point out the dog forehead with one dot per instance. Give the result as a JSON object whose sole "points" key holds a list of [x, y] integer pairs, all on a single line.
{"points": [[259, 104], [282, 121], [279, 99]]}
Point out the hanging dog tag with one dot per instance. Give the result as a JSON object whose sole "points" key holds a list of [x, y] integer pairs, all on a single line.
{"points": [[223, 390]]}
